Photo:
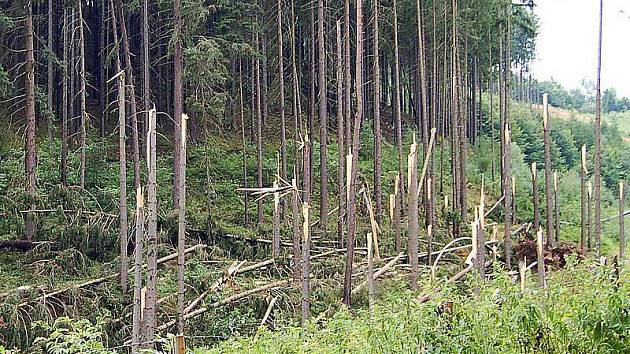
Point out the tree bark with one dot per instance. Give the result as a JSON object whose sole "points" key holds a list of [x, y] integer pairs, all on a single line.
{"points": [[181, 231], [598, 138], [583, 199], [146, 89], [412, 177], [132, 99], [30, 156], [556, 201], [136, 331], [152, 238], [622, 235], [65, 101], [340, 141], [51, 88], [323, 120], [536, 223], [283, 134], [378, 193], [548, 175], [399, 136], [358, 118], [178, 67], [83, 95]]}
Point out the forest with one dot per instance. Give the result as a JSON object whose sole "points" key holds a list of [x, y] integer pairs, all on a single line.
{"points": [[373, 176]]}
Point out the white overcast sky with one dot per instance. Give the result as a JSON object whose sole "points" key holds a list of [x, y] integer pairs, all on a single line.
{"points": [[567, 43]]}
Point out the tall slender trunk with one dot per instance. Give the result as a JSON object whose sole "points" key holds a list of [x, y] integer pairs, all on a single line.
{"points": [[259, 124], [296, 214], [347, 78], [340, 141], [181, 230], [83, 95], [152, 238], [589, 216], [102, 76], [548, 175], [30, 156], [358, 118], [323, 120], [598, 137], [556, 201], [146, 88], [122, 204], [135, 147], [412, 250], [378, 193], [178, 67], [283, 134], [51, 87], [306, 229], [244, 144], [136, 328], [64, 101], [399, 136], [507, 187]]}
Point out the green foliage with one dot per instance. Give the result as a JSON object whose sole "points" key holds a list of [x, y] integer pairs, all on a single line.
{"points": [[584, 310], [71, 336]]}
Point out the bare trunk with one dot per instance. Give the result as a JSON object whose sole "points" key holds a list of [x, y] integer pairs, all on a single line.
{"points": [[146, 89], [30, 156], [378, 193], [536, 223], [340, 142], [152, 239], [136, 331], [507, 188], [622, 235], [598, 138], [399, 136], [548, 175], [51, 87], [132, 100], [259, 146], [283, 134], [358, 118], [178, 67], [65, 102], [244, 144], [556, 201], [323, 120], [306, 286], [412, 177], [83, 94], [296, 214], [583, 199], [181, 230]]}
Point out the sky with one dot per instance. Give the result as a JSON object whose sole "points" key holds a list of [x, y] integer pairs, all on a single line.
{"points": [[567, 43]]}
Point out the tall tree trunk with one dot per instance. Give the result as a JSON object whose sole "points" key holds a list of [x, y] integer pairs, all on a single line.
{"points": [[64, 101], [412, 250], [30, 160], [83, 95], [548, 175], [358, 118], [122, 203], [283, 134], [323, 120], [102, 69], [181, 230], [146, 88], [152, 238], [135, 147], [178, 67], [136, 328], [296, 214], [244, 144], [340, 141], [378, 193], [598, 138], [259, 124], [589, 216], [306, 229], [399, 136], [556, 201], [507, 187], [50, 91], [347, 79]]}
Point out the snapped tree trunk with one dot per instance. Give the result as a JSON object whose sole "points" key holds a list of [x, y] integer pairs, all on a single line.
{"points": [[181, 230], [136, 328], [412, 177], [548, 175], [536, 223], [152, 239], [399, 136]]}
